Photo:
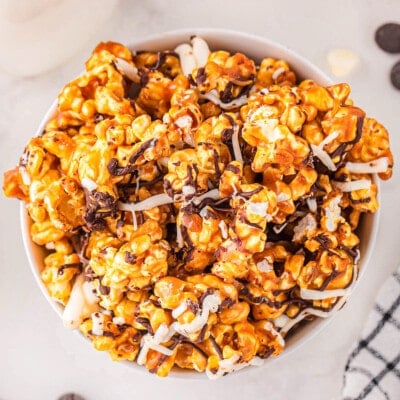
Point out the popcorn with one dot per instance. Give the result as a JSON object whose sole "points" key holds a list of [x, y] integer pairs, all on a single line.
{"points": [[194, 206]]}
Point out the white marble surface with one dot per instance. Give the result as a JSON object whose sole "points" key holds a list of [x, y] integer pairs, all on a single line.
{"points": [[39, 359]]}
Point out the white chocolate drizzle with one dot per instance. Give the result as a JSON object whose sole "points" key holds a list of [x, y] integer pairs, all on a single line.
{"points": [[201, 51], [351, 186], [179, 238], [223, 228], [311, 311], [147, 204], [265, 266], [372, 167], [306, 224], [97, 324], [165, 333], [184, 122], [26, 178], [312, 204], [211, 194], [127, 69], [258, 208], [309, 294], [235, 144], [178, 311], [210, 304], [186, 58], [81, 304], [285, 323], [268, 326], [277, 73], [332, 213], [193, 56], [319, 151], [212, 96], [229, 365], [119, 320], [279, 228], [88, 184], [281, 197]]}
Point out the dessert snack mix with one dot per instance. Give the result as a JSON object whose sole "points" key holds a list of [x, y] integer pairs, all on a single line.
{"points": [[197, 205]]}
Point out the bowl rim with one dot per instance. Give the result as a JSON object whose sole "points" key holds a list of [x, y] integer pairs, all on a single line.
{"points": [[232, 37]]}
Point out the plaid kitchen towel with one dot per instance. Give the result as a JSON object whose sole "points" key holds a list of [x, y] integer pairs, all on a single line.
{"points": [[373, 369]]}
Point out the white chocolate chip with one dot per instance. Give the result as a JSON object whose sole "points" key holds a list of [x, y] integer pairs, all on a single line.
{"points": [[342, 62]]}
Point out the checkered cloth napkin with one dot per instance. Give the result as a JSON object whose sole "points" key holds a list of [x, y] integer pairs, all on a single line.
{"points": [[373, 369]]}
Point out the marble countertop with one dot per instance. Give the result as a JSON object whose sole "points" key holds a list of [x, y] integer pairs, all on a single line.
{"points": [[39, 358]]}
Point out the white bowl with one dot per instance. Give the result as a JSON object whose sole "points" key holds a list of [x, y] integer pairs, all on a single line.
{"points": [[256, 48]]}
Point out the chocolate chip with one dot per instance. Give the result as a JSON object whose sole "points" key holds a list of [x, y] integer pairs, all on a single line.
{"points": [[395, 75], [70, 396], [387, 37]]}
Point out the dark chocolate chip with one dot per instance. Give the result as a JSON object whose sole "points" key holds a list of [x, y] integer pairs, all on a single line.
{"points": [[387, 37], [71, 396], [395, 75]]}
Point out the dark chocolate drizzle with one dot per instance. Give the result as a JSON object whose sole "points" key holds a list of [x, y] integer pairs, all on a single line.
{"points": [[329, 279], [247, 195], [244, 220], [193, 306], [201, 76], [216, 165], [144, 76], [161, 56], [226, 303], [351, 252], [145, 323], [360, 124], [197, 348], [89, 274], [233, 168], [359, 201], [116, 170], [142, 148], [293, 299], [63, 267], [202, 334], [248, 296], [265, 352], [186, 237], [216, 346], [130, 187], [99, 205], [226, 95], [340, 150], [176, 340]]}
